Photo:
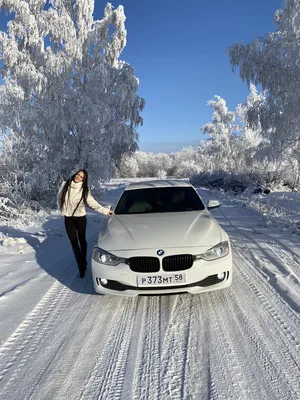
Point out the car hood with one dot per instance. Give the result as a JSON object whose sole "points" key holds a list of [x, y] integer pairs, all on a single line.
{"points": [[145, 231]]}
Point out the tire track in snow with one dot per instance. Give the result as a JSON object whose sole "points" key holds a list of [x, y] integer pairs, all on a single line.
{"points": [[278, 370], [248, 240], [284, 352], [255, 349], [174, 351], [225, 362], [242, 355], [291, 261], [282, 315], [283, 268], [196, 371], [33, 328], [273, 271], [46, 364], [62, 371], [106, 379], [281, 348], [78, 357], [146, 382]]}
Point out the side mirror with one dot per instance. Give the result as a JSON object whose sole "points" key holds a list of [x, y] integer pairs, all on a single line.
{"points": [[213, 204]]}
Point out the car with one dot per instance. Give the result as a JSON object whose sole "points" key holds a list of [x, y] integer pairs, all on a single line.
{"points": [[162, 239]]}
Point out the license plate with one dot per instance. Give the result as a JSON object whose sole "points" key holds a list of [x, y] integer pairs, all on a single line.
{"points": [[161, 280]]}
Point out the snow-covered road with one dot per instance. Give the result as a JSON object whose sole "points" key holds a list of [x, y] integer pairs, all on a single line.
{"points": [[59, 340]]}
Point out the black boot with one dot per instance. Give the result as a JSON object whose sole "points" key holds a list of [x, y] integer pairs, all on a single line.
{"points": [[81, 274], [79, 259], [82, 267]]}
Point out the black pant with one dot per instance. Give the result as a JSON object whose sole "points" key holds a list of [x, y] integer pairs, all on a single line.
{"points": [[76, 228]]}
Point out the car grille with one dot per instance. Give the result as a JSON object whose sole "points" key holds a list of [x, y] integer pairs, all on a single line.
{"points": [[179, 262], [144, 264]]}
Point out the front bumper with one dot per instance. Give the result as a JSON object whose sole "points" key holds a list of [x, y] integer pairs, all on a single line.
{"points": [[201, 277]]}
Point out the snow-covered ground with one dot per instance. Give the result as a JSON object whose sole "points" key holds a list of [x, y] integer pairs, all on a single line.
{"points": [[60, 340]]}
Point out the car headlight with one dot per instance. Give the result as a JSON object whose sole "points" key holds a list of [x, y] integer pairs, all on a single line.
{"points": [[218, 251], [104, 257]]}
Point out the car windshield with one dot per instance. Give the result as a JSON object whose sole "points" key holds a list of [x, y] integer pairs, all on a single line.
{"points": [[159, 200]]}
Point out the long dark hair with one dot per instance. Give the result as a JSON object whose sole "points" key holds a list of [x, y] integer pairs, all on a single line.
{"points": [[67, 186]]}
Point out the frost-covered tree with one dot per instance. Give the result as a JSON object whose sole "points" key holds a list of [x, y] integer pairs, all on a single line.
{"points": [[187, 168], [144, 164], [67, 100], [290, 167], [257, 152], [273, 61], [186, 154], [222, 134], [162, 174], [150, 163], [250, 142], [163, 162], [128, 167]]}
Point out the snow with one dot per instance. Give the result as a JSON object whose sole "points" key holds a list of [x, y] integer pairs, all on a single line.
{"points": [[60, 340], [280, 208]]}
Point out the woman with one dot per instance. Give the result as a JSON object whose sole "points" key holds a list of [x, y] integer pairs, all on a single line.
{"points": [[72, 198]]}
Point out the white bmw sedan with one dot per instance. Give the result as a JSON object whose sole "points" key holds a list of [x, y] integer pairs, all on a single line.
{"points": [[162, 239]]}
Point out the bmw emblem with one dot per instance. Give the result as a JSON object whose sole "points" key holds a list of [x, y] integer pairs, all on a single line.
{"points": [[160, 252]]}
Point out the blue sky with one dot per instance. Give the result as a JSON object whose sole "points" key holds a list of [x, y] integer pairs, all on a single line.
{"points": [[178, 52]]}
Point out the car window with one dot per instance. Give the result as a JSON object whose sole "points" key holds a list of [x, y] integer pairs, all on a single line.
{"points": [[157, 200]]}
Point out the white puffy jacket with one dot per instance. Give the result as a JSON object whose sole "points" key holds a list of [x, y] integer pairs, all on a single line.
{"points": [[72, 198]]}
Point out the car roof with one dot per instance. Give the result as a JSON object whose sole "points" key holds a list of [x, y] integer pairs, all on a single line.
{"points": [[158, 184]]}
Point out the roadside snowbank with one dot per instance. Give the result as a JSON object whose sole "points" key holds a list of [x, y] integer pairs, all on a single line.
{"points": [[278, 207]]}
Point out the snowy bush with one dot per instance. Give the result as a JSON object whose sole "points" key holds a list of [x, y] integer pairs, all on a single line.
{"points": [[162, 174], [8, 209], [290, 169], [185, 155], [143, 164], [128, 167], [234, 181], [186, 169]]}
